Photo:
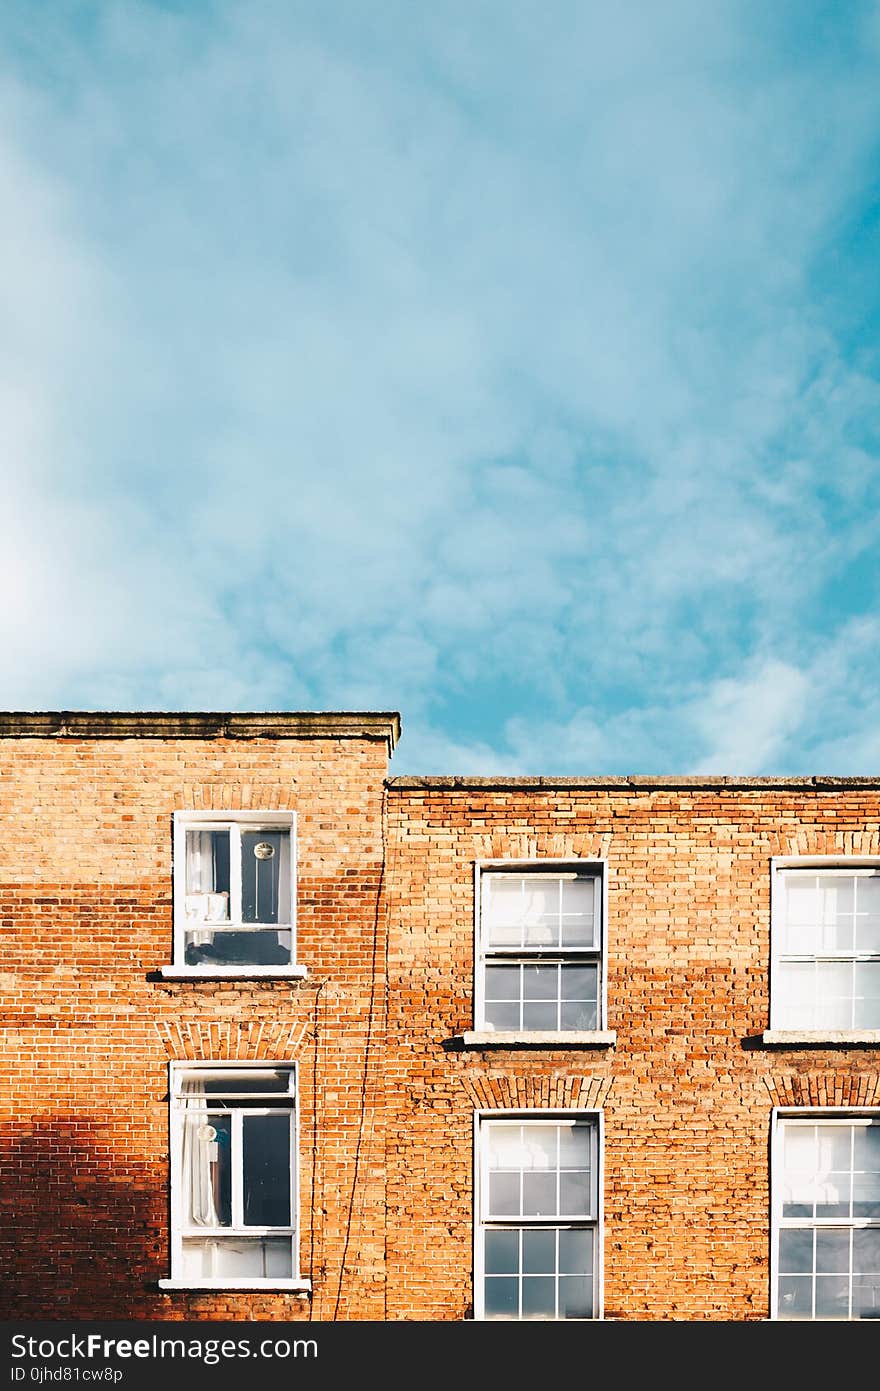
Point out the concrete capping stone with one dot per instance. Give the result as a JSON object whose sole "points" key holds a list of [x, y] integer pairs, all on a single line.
{"points": [[684, 783], [151, 724]]}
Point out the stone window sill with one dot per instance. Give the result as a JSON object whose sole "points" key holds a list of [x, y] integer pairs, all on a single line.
{"points": [[821, 1038], [510, 1038], [233, 972], [302, 1287]]}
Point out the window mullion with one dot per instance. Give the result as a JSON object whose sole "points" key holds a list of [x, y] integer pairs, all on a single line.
{"points": [[236, 1165]]}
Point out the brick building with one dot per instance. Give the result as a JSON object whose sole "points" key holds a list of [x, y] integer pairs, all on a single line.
{"points": [[287, 1038]]}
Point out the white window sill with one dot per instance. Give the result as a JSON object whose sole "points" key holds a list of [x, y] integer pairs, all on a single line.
{"points": [[832, 1038], [290, 1286], [242, 972], [544, 1038]]}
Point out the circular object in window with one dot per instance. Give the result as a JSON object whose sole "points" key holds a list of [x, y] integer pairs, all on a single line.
{"points": [[263, 850]]}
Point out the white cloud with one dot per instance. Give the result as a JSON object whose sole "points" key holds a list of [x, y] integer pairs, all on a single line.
{"points": [[464, 366]]}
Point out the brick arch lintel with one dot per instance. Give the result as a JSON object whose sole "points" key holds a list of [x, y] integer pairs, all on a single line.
{"points": [[232, 1041], [497, 1091], [824, 1089]]}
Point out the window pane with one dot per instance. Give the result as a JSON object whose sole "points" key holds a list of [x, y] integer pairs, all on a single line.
{"points": [[866, 1274], [796, 1297], [217, 1258], [832, 1251], [868, 914], [266, 1170], [578, 913], [207, 876], [541, 912], [502, 1253], [867, 990], [580, 997], [575, 1147], [796, 1251], [265, 876], [832, 1297], [206, 1167], [834, 986], [504, 1199], [539, 1252], [540, 1016], [502, 910], [502, 982], [502, 1016], [538, 1297], [539, 1195], [576, 1252], [575, 1297], [802, 914], [795, 994], [260, 947], [837, 902], [540, 982], [502, 1297], [574, 1194]]}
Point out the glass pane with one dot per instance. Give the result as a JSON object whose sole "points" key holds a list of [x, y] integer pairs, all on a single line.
{"points": [[266, 1170], [866, 1297], [834, 986], [207, 876], [207, 1170], [539, 1195], [540, 982], [836, 897], [575, 1252], [802, 914], [502, 983], [265, 876], [796, 1251], [502, 1253], [502, 1016], [795, 994], [539, 1146], [795, 1297], [866, 1252], [259, 947], [832, 1297], [539, 1253], [867, 990], [541, 913], [578, 913], [504, 1197], [502, 910], [540, 1016], [574, 1194], [538, 1297], [502, 1297], [866, 1150], [579, 1017], [832, 1251], [575, 1147], [575, 1297], [216, 1258], [868, 914]]}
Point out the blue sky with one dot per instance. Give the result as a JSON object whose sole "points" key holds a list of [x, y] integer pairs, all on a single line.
{"points": [[510, 365]]}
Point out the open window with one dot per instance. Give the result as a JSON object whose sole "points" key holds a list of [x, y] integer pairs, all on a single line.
{"points": [[234, 892]]}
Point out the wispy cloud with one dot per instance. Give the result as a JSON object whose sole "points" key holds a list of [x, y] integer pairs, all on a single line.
{"points": [[512, 368]]}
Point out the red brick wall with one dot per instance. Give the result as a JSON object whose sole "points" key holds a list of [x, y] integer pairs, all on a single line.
{"points": [[89, 1026], [386, 1111], [687, 1091]]}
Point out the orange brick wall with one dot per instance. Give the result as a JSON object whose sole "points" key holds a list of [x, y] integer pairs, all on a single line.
{"points": [[89, 1026], [386, 930], [688, 1089]]}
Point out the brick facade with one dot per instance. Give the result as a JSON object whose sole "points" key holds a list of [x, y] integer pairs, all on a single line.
{"points": [[388, 1084]]}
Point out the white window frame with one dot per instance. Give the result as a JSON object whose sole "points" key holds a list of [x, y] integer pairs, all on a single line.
{"points": [[807, 1115], [235, 1070], [484, 1118], [572, 867], [780, 1029], [235, 822]]}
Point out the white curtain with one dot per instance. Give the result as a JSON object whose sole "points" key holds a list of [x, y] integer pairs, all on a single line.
{"points": [[199, 1157]]}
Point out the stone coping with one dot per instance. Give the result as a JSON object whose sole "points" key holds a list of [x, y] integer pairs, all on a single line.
{"points": [[673, 782], [201, 724]]}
